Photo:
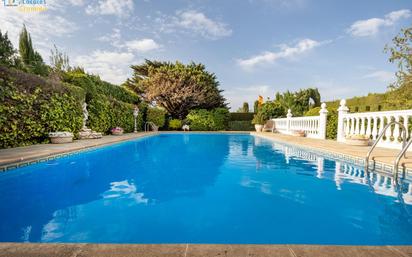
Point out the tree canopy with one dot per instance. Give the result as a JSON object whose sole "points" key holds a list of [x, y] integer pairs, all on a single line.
{"points": [[177, 87]]}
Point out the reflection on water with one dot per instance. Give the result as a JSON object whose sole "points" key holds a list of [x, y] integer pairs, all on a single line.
{"points": [[197, 188], [347, 173]]}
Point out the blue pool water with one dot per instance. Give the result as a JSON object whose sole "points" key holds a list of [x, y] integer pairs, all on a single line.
{"points": [[202, 188]]}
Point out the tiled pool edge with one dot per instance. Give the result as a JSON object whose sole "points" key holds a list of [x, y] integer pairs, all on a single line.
{"points": [[14, 165], [192, 250], [335, 155]]}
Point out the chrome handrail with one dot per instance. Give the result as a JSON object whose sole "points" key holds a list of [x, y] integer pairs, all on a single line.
{"points": [[399, 157], [149, 124], [380, 137]]}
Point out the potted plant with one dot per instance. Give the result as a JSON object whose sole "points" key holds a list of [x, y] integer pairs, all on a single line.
{"points": [[357, 140], [117, 131], [61, 137], [258, 120]]}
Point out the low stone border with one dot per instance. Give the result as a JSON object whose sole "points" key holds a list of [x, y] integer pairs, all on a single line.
{"points": [[48, 157], [197, 250]]}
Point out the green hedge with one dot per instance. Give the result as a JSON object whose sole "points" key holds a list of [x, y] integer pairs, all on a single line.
{"points": [[240, 125], [241, 116], [204, 120], [175, 124], [106, 113], [27, 116], [331, 123], [93, 86]]}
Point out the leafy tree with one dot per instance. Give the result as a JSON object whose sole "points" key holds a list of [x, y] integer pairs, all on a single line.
{"points": [[401, 53], [7, 51], [32, 60], [176, 87], [299, 102], [245, 107], [272, 109], [59, 61]]}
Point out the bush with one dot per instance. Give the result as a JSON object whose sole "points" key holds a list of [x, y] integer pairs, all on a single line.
{"points": [[157, 116], [240, 125], [175, 124], [105, 114], [331, 123], [204, 120], [26, 117], [272, 109], [93, 86], [241, 116], [259, 119]]}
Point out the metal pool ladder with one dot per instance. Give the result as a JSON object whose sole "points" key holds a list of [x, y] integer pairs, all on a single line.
{"points": [[399, 157], [149, 125], [403, 152]]}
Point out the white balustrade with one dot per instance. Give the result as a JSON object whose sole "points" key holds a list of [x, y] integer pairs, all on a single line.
{"points": [[312, 126], [371, 124]]}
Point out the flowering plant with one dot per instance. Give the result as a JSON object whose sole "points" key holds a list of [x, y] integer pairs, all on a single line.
{"points": [[117, 130]]}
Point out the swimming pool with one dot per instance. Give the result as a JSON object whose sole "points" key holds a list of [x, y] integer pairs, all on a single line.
{"points": [[202, 188]]}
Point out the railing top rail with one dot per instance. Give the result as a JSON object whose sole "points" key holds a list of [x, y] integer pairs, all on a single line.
{"points": [[380, 113], [306, 118]]}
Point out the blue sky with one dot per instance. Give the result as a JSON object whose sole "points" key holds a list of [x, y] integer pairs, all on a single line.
{"points": [[254, 46]]}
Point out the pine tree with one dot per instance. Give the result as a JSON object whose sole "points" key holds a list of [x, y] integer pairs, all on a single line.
{"points": [[32, 60]]}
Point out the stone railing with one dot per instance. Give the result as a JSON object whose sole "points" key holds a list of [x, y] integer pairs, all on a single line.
{"points": [[311, 126], [371, 124]]}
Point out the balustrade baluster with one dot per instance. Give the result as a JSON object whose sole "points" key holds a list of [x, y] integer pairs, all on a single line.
{"points": [[388, 132], [375, 128]]}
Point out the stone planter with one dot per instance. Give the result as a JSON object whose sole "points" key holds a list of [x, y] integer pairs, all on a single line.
{"points": [[258, 127], [298, 133], [117, 133], [61, 137]]}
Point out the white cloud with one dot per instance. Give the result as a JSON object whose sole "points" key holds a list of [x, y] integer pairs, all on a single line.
{"points": [[77, 2], [43, 26], [370, 27], [285, 52], [200, 24], [118, 8], [382, 76], [143, 45], [111, 66]]}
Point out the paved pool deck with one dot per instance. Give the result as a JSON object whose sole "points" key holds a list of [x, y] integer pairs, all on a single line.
{"points": [[197, 250], [383, 156], [12, 157]]}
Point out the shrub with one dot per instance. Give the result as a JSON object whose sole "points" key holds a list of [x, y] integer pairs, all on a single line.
{"points": [[175, 124], [204, 120], [259, 119], [27, 117], [272, 109], [331, 123], [240, 125], [157, 116], [241, 116]]}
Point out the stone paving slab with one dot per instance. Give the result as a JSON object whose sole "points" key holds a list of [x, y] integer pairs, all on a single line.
{"points": [[12, 156], [197, 250], [382, 155]]}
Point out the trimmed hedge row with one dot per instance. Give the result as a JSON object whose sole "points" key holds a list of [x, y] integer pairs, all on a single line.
{"points": [[32, 106], [241, 116], [240, 125], [27, 118]]}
